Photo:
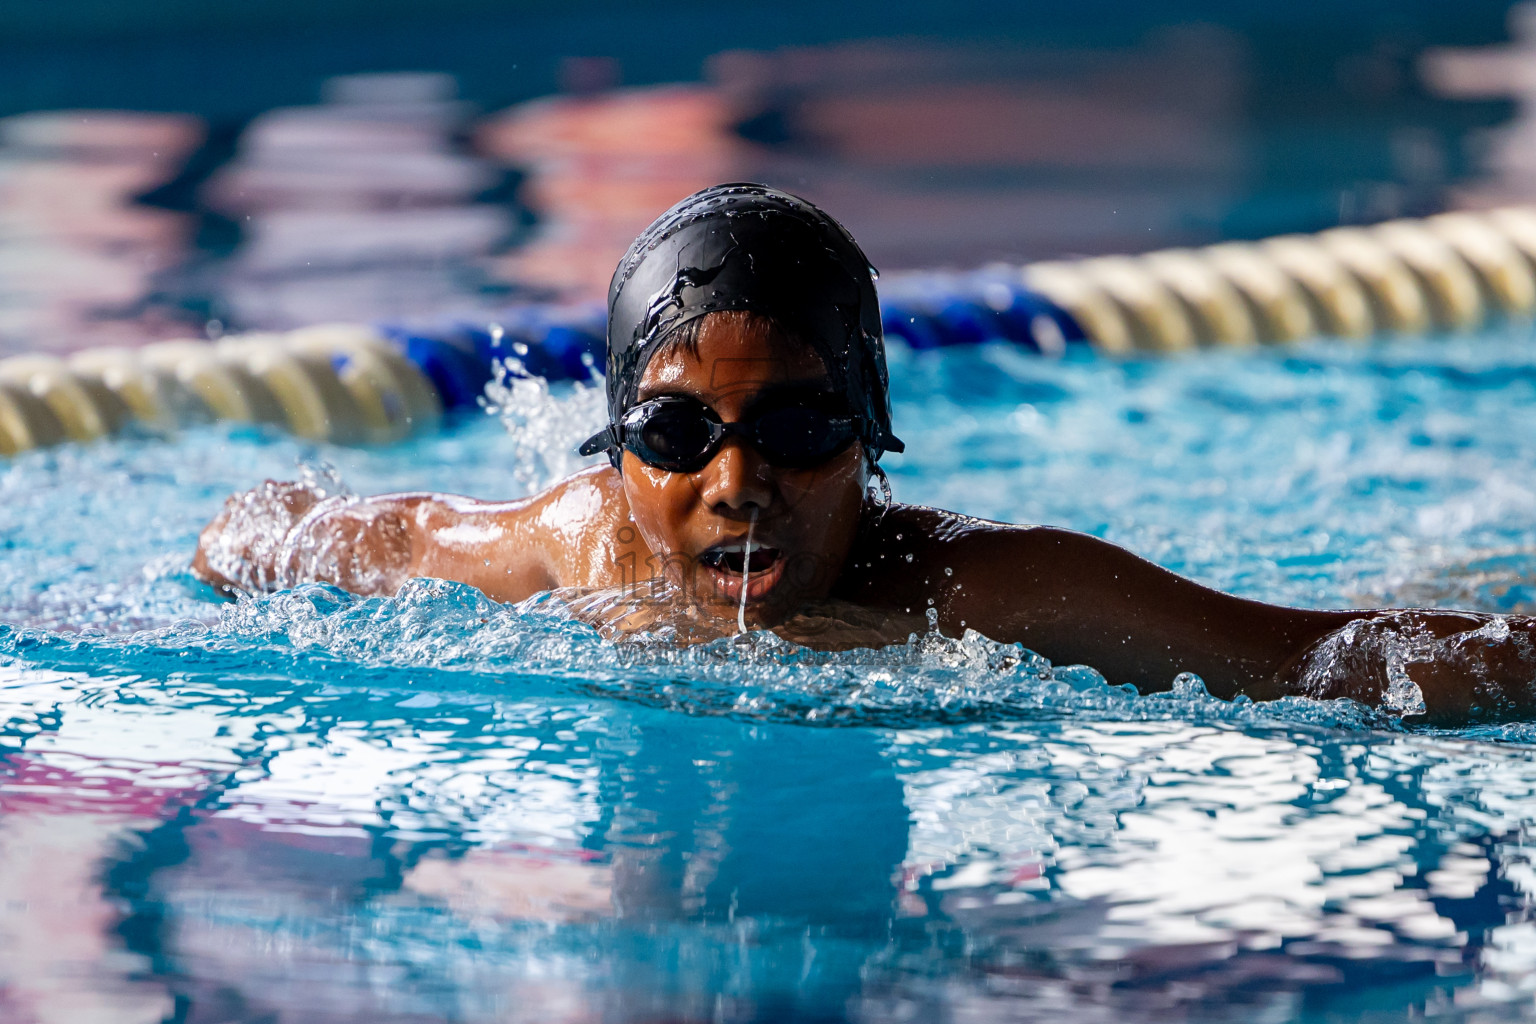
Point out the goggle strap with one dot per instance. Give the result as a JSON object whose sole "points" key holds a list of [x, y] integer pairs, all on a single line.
{"points": [[601, 441]]}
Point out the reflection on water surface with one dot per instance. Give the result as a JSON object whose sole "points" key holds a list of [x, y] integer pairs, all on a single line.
{"points": [[316, 808], [322, 850]]}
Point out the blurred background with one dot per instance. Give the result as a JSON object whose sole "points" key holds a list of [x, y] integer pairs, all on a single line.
{"points": [[174, 168]]}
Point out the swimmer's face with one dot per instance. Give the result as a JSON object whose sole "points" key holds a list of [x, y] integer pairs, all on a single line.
{"points": [[802, 521]]}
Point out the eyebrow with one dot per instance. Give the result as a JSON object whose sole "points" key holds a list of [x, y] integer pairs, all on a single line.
{"points": [[690, 389], [647, 392]]}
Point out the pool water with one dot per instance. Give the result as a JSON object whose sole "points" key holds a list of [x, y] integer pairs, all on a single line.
{"points": [[315, 807]]}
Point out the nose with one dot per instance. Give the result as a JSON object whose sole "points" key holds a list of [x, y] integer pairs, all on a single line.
{"points": [[737, 482]]}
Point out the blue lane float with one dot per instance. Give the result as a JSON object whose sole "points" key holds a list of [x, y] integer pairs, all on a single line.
{"points": [[566, 343], [460, 356], [927, 311]]}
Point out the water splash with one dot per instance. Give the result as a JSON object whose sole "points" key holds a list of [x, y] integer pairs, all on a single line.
{"points": [[545, 424], [281, 533], [441, 637], [323, 477], [1489, 665]]}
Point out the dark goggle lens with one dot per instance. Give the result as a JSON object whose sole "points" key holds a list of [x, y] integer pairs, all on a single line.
{"points": [[681, 436], [675, 436], [798, 437]]}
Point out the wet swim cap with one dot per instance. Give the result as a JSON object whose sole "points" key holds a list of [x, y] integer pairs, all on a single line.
{"points": [[750, 247]]}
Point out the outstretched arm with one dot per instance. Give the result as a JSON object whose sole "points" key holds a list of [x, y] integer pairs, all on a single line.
{"points": [[1077, 599], [1080, 600], [282, 534]]}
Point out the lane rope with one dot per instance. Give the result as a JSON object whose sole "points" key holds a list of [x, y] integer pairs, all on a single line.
{"points": [[372, 384]]}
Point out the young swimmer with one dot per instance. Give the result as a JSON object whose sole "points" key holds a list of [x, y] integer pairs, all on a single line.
{"points": [[748, 410]]}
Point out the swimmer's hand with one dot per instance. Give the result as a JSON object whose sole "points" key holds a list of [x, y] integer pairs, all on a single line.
{"points": [[284, 533], [240, 549], [1452, 667]]}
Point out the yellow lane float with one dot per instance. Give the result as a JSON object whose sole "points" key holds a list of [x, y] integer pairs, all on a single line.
{"points": [[1216, 309], [1445, 279], [1155, 316], [1339, 301], [1101, 317], [1506, 278], [1280, 309]]}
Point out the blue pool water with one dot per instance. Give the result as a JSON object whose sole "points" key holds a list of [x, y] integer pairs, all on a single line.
{"points": [[313, 807]]}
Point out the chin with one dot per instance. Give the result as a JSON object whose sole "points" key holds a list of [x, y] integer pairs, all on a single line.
{"points": [[768, 602]]}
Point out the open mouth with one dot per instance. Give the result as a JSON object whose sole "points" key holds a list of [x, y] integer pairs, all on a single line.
{"points": [[729, 565], [733, 558]]}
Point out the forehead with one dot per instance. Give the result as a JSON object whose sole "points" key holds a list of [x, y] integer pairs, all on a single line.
{"points": [[735, 354]]}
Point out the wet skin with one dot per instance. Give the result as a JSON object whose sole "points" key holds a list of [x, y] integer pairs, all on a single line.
{"points": [[647, 549]]}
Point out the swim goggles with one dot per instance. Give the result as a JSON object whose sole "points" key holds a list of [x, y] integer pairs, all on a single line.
{"points": [[681, 434]]}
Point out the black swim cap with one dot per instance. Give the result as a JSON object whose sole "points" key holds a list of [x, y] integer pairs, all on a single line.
{"points": [[750, 247]]}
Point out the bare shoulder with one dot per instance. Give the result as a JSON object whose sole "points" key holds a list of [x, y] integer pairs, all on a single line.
{"points": [[955, 540], [961, 561], [925, 533], [591, 499], [910, 555], [512, 549], [580, 499]]}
